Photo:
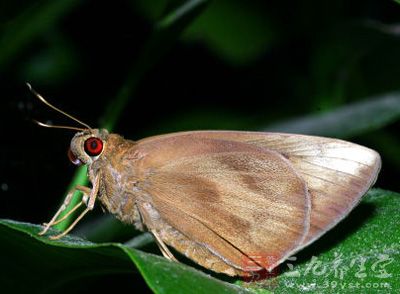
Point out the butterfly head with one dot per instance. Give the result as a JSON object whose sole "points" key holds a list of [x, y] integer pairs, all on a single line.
{"points": [[87, 146]]}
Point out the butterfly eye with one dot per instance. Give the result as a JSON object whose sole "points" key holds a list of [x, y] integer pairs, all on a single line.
{"points": [[75, 160], [93, 146]]}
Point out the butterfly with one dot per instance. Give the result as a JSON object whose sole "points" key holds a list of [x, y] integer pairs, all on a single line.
{"points": [[222, 197]]}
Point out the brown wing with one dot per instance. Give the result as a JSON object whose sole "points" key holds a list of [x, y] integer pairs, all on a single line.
{"points": [[235, 199], [337, 173]]}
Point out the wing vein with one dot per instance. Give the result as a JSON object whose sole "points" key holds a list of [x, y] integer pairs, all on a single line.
{"points": [[332, 169], [323, 179]]}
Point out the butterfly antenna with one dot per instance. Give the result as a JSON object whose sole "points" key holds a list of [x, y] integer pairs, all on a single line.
{"points": [[40, 97], [57, 126]]}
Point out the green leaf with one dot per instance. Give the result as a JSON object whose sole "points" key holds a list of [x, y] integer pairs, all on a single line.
{"points": [[37, 264], [346, 121], [362, 251]]}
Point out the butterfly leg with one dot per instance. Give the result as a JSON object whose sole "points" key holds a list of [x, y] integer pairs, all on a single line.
{"points": [[147, 219], [163, 248], [70, 195], [89, 199]]}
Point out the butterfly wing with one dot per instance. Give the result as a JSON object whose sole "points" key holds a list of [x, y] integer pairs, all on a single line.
{"points": [[337, 173], [235, 199]]}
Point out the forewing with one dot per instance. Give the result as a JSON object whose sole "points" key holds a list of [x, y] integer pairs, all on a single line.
{"points": [[235, 199], [337, 173]]}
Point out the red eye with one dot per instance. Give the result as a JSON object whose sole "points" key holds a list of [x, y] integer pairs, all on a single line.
{"points": [[93, 146], [73, 158]]}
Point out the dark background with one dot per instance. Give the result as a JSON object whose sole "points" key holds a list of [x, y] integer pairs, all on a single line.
{"points": [[240, 65]]}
